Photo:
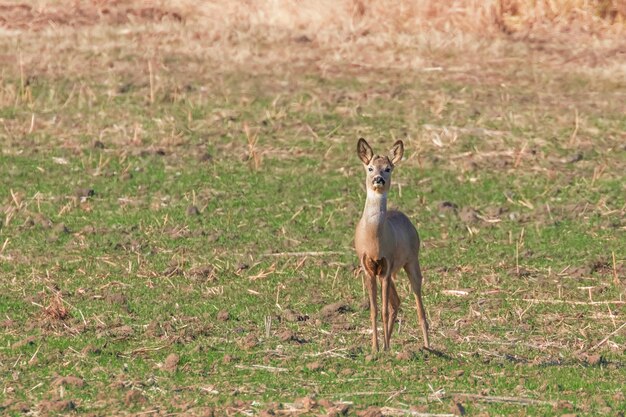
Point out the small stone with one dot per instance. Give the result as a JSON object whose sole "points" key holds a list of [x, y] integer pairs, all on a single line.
{"points": [[223, 315]]}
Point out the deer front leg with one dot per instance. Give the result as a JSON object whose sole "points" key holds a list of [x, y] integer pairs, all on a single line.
{"points": [[372, 290], [385, 309]]}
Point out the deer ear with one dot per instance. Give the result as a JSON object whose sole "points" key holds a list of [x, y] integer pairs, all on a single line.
{"points": [[397, 151], [364, 150]]}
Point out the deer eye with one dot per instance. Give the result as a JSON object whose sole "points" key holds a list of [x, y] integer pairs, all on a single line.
{"points": [[370, 169], [387, 169]]}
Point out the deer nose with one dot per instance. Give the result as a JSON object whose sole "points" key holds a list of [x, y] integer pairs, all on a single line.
{"points": [[379, 180]]}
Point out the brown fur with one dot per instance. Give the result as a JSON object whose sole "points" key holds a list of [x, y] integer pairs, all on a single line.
{"points": [[385, 242]]}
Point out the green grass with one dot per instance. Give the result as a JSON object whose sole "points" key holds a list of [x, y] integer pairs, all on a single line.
{"points": [[132, 255]]}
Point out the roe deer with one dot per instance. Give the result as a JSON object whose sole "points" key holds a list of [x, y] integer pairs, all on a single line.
{"points": [[386, 241]]}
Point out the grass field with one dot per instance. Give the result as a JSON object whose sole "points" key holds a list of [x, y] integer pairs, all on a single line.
{"points": [[177, 209]]}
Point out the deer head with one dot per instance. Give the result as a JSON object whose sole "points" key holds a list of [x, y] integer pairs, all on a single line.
{"points": [[378, 168]]}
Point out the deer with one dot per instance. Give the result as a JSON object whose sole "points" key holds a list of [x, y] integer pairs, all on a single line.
{"points": [[386, 241]]}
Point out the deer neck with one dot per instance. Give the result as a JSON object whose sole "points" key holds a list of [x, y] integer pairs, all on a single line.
{"points": [[375, 213]]}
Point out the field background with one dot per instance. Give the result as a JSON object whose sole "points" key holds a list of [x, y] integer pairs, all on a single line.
{"points": [[179, 188]]}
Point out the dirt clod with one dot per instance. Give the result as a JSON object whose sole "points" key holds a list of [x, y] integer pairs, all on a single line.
{"points": [[205, 157], [314, 366], [42, 220], [403, 356], [572, 159], [457, 409], [171, 363], [193, 211], [20, 407], [72, 381], [90, 349], [342, 409], [334, 309], [55, 309], [116, 298], [564, 405], [370, 412], [249, 342], [57, 406], [447, 207], [204, 273], [30, 340], [286, 336], [134, 397], [61, 229], [293, 316], [223, 315], [84, 192], [122, 332], [306, 403], [468, 215], [592, 358]]}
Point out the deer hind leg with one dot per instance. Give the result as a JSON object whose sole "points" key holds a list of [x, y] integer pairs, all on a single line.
{"points": [[415, 277], [394, 305], [372, 292]]}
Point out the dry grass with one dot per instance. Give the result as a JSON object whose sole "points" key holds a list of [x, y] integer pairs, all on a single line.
{"points": [[326, 34]]}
